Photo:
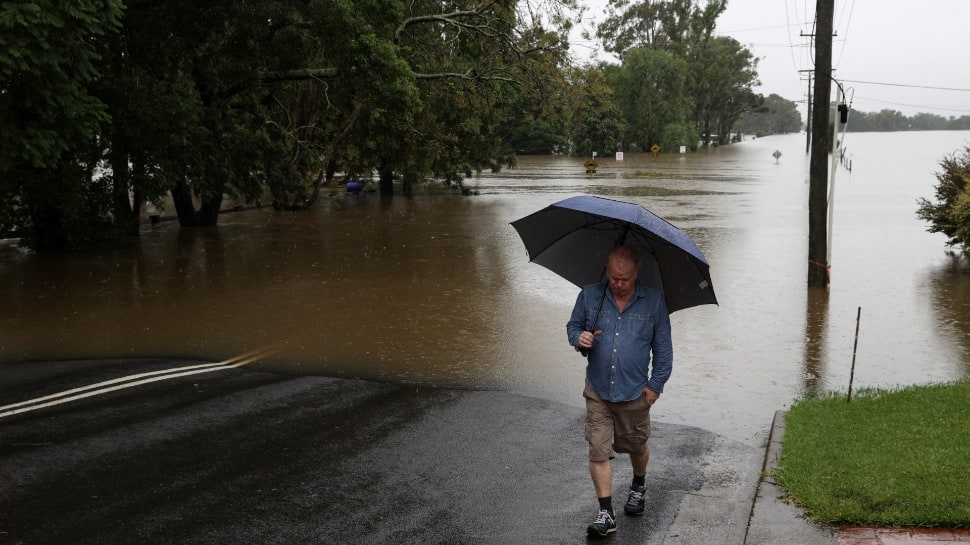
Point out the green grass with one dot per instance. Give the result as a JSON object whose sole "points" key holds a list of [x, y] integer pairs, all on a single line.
{"points": [[888, 458]]}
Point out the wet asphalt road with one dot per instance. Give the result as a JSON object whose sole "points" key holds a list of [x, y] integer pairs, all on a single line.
{"points": [[244, 456]]}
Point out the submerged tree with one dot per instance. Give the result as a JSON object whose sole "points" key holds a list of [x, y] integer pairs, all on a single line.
{"points": [[650, 90], [107, 105], [51, 121], [774, 115], [723, 73], [596, 122], [708, 78], [950, 213]]}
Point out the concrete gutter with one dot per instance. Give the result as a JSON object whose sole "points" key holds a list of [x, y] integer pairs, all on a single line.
{"points": [[774, 521]]}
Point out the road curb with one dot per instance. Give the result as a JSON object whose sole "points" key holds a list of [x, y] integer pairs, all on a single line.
{"points": [[719, 511], [774, 521]]}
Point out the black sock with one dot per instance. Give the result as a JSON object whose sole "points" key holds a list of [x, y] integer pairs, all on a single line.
{"points": [[640, 480], [606, 503]]}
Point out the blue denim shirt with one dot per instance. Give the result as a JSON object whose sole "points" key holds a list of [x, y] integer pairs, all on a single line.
{"points": [[618, 363]]}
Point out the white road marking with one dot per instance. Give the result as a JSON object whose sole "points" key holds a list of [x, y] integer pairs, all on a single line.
{"points": [[107, 383], [122, 383]]}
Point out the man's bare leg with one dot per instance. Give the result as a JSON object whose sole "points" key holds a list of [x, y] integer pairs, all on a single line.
{"points": [[639, 461], [602, 474]]}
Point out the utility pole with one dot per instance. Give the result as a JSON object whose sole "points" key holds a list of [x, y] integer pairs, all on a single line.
{"points": [[818, 266], [808, 120]]}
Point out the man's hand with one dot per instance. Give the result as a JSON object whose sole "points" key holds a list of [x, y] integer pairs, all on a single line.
{"points": [[652, 396], [586, 339]]}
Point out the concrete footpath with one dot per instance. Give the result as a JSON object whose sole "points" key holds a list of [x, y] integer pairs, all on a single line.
{"points": [[773, 520], [229, 455]]}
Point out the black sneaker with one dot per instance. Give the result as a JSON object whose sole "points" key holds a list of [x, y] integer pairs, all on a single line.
{"points": [[635, 503], [604, 524]]}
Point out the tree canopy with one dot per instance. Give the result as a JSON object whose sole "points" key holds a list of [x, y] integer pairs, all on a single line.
{"points": [[677, 81], [891, 120], [773, 115], [949, 213], [111, 104], [51, 54]]}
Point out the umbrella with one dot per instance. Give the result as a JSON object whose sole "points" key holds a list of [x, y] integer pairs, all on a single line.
{"points": [[573, 237]]}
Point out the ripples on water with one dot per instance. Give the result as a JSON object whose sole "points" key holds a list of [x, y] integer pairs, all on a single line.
{"points": [[437, 289]]}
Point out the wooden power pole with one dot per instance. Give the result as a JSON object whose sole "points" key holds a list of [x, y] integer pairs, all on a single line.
{"points": [[818, 266]]}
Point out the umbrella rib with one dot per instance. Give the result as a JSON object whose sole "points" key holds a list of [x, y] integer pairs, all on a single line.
{"points": [[604, 224]]}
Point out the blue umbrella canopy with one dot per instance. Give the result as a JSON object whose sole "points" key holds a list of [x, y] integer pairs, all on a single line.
{"points": [[574, 236]]}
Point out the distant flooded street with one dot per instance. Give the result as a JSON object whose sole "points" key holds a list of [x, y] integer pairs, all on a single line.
{"points": [[437, 289]]}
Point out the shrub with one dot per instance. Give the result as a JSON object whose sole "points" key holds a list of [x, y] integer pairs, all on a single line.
{"points": [[950, 213]]}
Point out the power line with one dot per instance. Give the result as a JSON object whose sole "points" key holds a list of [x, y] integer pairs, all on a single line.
{"points": [[773, 27], [791, 46], [845, 35], [867, 100], [910, 86]]}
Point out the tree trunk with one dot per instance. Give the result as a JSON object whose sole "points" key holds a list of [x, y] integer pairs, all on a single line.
{"points": [[386, 174], [209, 212], [49, 234], [407, 183], [125, 212], [206, 216]]}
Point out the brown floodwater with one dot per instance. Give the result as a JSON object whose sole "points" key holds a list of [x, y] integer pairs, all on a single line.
{"points": [[437, 289]]}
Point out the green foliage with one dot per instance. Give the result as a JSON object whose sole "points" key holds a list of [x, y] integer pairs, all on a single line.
{"points": [[651, 93], [665, 24], [891, 120], [75, 218], [774, 115], [888, 458], [208, 99], [109, 105], [675, 135], [883, 120], [51, 54], [535, 123], [722, 73], [950, 212], [959, 217], [596, 122], [675, 72], [48, 57]]}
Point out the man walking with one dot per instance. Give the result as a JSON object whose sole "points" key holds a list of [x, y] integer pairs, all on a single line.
{"points": [[620, 325]]}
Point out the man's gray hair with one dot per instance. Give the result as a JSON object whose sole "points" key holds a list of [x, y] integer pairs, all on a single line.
{"points": [[625, 252]]}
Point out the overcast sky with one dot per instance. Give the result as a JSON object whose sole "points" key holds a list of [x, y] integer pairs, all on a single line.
{"points": [[888, 54]]}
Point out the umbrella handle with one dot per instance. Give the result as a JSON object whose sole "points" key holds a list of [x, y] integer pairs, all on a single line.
{"points": [[619, 242], [596, 316]]}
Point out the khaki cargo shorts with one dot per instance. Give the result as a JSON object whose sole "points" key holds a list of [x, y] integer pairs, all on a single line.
{"points": [[615, 427]]}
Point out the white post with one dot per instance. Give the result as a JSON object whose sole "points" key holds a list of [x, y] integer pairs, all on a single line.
{"points": [[835, 148]]}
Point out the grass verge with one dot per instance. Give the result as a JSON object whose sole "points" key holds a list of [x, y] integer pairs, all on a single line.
{"points": [[888, 458]]}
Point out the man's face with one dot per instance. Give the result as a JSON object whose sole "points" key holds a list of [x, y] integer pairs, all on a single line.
{"points": [[622, 276]]}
